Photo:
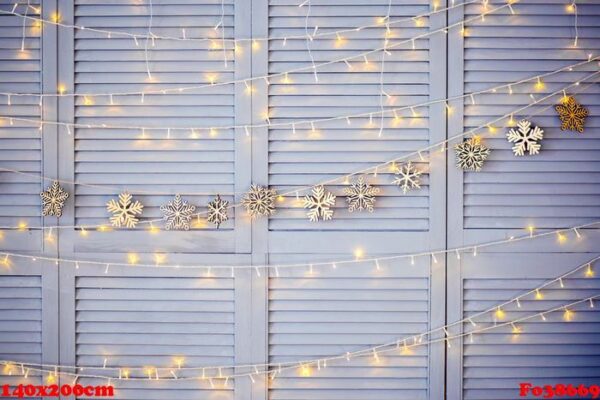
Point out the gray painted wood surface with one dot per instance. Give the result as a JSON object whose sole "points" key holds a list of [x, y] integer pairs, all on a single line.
{"points": [[55, 313]]}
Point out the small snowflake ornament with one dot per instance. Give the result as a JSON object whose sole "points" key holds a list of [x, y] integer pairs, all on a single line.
{"points": [[259, 201], [177, 214], [53, 200], [124, 211], [471, 154], [525, 138], [571, 114], [217, 211], [360, 196], [319, 203], [408, 177]]}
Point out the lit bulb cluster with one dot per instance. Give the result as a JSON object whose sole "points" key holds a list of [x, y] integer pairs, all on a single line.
{"points": [[306, 368], [194, 132], [255, 46]]}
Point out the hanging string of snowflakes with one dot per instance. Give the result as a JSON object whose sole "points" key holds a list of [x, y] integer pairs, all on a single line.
{"points": [[259, 201]]}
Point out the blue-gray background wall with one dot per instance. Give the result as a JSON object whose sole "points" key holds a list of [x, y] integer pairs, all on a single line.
{"points": [[132, 316]]}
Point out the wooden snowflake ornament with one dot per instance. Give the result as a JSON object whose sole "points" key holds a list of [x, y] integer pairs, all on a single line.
{"points": [[471, 154], [217, 211], [571, 114], [525, 138], [407, 177], [53, 200], [177, 214], [360, 196], [259, 201], [319, 203], [124, 211]]}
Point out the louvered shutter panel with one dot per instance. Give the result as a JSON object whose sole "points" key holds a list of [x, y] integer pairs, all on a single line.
{"points": [[154, 165], [20, 326], [154, 320], [336, 147], [331, 312], [20, 148], [545, 352], [560, 186]]}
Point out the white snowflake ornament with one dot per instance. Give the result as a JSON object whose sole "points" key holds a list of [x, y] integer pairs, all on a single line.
{"points": [[259, 201], [217, 211], [53, 200], [361, 196], [471, 154], [319, 203], [525, 138], [124, 211], [178, 214], [407, 177]]}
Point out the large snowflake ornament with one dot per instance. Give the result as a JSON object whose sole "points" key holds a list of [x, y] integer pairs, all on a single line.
{"points": [[124, 211], [525, 138], [53, 200], [177, 214], [408, 177], [361, 196], [571, 114], [259, 201], [319, 203], [471, 154], [217, 211]]}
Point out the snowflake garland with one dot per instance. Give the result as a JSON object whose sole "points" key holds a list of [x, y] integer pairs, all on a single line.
{"points": [[361, 196], [408, 177], [259, 201], [471, 154], [53, 200], [571, 114], [319, 203], [178, 214], [217, 211], [525, 138], [124, 211]]}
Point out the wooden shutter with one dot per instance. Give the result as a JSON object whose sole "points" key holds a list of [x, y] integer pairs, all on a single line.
{"points": [[560, 186], [336, 147], [28, 320], [130, 319], [154, 165], [546, 352], [20, 148], [330, 312]]}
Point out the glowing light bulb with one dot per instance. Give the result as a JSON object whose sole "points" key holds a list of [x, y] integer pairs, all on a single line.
{"points": [[133, 258], [500, 314], [589, 272], [568, 315], [359, 253], [539, 85], [305, 371], [538, 294]]}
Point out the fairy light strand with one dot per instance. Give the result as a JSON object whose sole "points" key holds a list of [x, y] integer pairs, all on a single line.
{"points": [[312, 265], [377, 350]]}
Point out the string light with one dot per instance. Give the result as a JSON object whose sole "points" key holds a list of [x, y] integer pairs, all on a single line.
{"points": [[250, 89]]}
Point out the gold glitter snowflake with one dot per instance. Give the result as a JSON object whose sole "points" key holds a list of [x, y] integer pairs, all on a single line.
{"points": [[571, 114], [124, 211], [53, 200], [471, 154], [408, 177], [320, 203], [177, 214], [217, 211], [361, 196], [259, 201]]}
